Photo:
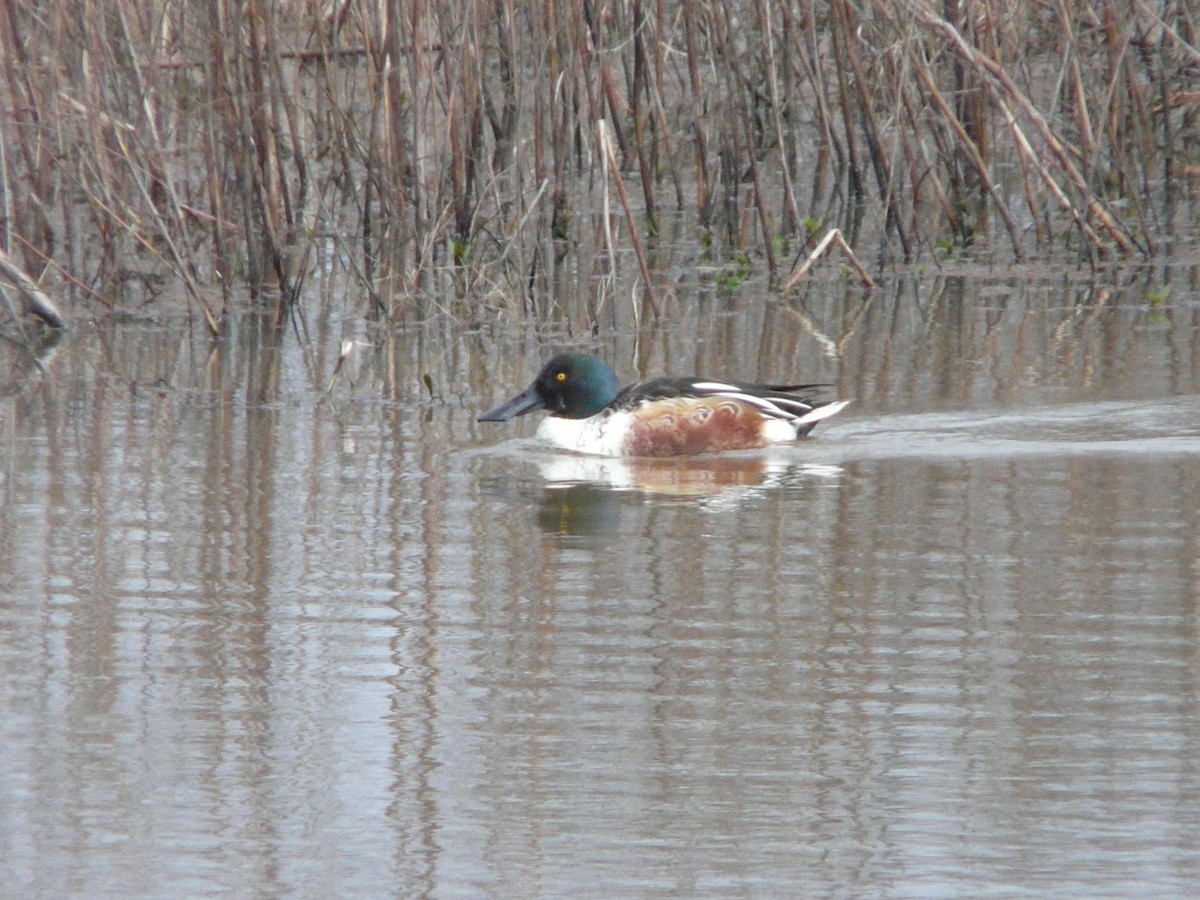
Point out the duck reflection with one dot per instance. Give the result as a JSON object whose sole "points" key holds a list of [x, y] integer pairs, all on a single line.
{"points": [[583, 495], [579, 510]]}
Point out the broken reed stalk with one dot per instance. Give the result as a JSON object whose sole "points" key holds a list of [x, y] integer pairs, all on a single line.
{"points": [[831, 237]]}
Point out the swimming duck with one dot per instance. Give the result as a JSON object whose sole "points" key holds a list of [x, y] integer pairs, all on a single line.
{"points": [[591, 413]]}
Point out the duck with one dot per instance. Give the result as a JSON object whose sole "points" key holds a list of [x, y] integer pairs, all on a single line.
{"points": [[591, 413]]}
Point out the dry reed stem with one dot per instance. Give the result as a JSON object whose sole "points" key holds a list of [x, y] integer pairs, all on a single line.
{"points": [[972, 150], [1000, 77], [791, 211], [1179, 41], [697, 126], [831, 237], [1030, 158], [606, 147]]}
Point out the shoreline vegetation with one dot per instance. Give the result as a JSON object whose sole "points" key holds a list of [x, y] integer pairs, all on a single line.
{"points": [[454, 157]]}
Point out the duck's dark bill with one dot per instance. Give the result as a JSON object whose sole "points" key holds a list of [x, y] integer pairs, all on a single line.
{"points": [[526, 401]]}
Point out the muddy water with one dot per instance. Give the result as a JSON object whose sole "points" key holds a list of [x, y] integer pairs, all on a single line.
{"points": [[262, 638]]}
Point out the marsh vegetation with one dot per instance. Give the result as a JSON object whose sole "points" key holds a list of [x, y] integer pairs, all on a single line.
{"points": [[480, 160]]}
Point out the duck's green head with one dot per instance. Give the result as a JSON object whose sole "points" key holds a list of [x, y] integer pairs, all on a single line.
{"points": [[572, 385]]}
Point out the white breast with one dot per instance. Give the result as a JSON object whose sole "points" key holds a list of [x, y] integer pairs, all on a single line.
{"points": [[602, 435]]}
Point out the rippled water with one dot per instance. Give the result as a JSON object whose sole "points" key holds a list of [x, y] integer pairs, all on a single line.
{"points": [[260, 638]]}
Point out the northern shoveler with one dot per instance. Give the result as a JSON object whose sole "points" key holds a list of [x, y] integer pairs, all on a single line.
{"points": [[591, 413]]}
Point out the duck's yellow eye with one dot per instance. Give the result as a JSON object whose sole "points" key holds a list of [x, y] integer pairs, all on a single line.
{"points": [[560, 377]]}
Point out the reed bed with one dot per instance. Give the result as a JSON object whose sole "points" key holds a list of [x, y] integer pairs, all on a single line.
{"points": [[455, 158]]}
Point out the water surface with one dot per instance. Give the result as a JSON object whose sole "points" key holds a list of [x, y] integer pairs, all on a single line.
{"points": [[257, 637]]}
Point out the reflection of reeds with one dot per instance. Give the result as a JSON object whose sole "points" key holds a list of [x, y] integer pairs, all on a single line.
{"points": [[451, 151]]}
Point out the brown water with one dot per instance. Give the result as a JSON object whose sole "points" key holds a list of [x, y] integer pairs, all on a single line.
{"points": [[260, 639]]}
